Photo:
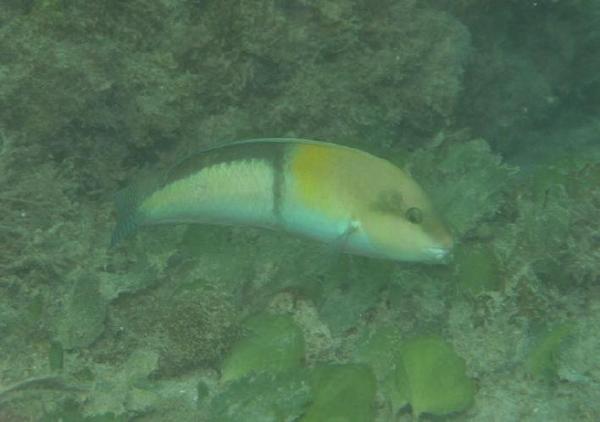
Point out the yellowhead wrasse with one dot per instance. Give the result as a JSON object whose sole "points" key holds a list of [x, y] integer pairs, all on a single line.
{"points": [[325, 191]]}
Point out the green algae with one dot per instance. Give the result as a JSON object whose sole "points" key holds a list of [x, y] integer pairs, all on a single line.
{"points": [[349, 295], [542, 359], [378, 349], [73, 412], [476, 269], [469, 170], [55, 356], [264, 397], [82, 321], [272, 343], [75, 415], [546, 178], [195, 241], [424, 372], [342, 393], [433, 377]]}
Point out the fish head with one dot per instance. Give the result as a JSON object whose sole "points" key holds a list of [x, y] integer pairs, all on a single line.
{"points": [[402, 225]]}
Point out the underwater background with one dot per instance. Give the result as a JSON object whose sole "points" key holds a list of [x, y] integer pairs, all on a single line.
{"points": [[494, 108]]}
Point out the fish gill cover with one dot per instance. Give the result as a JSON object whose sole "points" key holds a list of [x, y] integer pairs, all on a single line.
{"points": [[492, 106]]}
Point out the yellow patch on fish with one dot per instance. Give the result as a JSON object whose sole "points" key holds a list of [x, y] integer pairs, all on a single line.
{"points": [[314, 168]]}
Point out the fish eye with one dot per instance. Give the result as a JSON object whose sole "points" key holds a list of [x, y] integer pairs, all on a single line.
{"points": [[414, 215]]}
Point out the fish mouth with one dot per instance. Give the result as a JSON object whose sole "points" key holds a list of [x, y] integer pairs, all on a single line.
{"points": [[439, 254]]}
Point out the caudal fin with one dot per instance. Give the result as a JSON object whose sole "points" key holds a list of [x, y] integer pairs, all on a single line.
{"points": [[126, 204]]}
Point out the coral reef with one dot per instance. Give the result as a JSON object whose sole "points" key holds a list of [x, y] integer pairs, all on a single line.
{"points": [[492, 106]]}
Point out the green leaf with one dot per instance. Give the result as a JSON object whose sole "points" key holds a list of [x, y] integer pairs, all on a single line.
{"points": [[342, 393], [273, 343], [434, 377]]}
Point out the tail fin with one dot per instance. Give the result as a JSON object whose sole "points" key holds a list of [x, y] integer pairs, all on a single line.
{"points": [[126, 203]]}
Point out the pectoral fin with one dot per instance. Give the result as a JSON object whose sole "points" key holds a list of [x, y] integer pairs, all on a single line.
{"points": [[339, 244]]}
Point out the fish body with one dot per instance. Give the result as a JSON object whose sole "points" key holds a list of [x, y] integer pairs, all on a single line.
{"points": [[325, 191]]}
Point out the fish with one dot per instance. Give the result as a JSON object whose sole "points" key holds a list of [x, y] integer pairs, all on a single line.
{"points": [[332, 193]]}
